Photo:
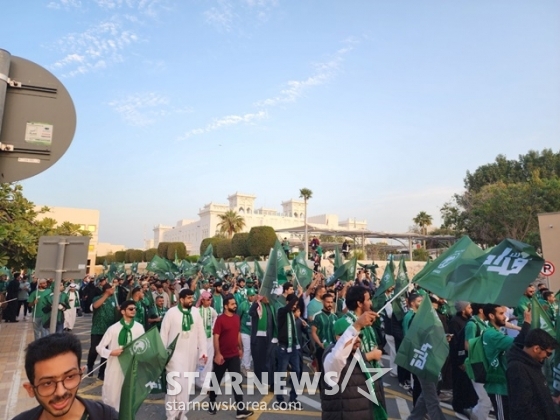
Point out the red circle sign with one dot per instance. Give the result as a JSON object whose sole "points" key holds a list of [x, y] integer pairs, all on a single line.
{"points": [[547, 269]]}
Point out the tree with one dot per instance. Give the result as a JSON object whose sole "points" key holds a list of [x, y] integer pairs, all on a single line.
{"points": [[149, 254], [133, 255], [207, 241], [306, 194], [120, 256], [231, 223], [176, 249], [260, 240], [423, 220], [239, 244], [20, 228], [223, 249], [503, 199]]}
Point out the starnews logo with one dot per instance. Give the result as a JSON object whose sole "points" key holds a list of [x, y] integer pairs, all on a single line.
{"points": [[303, 383]]}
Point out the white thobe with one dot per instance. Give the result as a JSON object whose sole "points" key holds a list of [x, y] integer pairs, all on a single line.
{"points": [[114, 376], [70, 314], [191, 347], [205, 369]]}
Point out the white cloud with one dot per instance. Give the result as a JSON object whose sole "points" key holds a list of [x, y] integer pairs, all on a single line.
{"points": [[64, 4], [324, 71], [222, 16], [98, 47], [226, 13], [143, 109], [226, 121]]}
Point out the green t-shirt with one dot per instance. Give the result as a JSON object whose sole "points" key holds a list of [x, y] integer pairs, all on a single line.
{"points": [[47, 301], [315, 306], [325, 327], [243, 312], [407, 320], [156, 312], [37, 311], [104, 316], [495, 345]]}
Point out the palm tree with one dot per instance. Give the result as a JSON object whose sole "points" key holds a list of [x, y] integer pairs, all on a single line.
{"points": [[231, 223], [306, 194], [423, 220]]}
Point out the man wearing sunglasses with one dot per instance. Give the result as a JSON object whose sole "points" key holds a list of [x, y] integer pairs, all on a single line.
{"points": [[52, 364], [111, 346]]}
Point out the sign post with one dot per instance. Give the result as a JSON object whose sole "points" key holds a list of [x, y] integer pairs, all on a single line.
{"points": [[57, 255]]}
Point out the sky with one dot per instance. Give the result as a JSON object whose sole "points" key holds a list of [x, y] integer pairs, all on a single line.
{"points": [[379, 107]]}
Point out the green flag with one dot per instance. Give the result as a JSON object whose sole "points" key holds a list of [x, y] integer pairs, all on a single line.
{"points": [[466, 272], [424, 348], [338, 260], [243, 268], [402, 277], [257, 269], [270, 279], [162, 267], [303, 273], [346, 272], [205, 258], [282, 264], [300, 258], [388, 278], [142, 362], [540, 318]]}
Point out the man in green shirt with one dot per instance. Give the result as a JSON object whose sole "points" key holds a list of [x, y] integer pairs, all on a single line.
{"points": [[476, 326], [47, 309], [495, 344], [36, 302], [243, 312], [104, 309], [322, 329], [316, 304], [414, 302], [157, 313], [524, 302]]}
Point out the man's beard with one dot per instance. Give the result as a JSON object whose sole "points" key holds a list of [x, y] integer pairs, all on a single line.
{"points": [[187, 305]]}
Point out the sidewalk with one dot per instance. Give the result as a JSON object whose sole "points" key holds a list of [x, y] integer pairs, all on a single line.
{"points": [[14, 338]]}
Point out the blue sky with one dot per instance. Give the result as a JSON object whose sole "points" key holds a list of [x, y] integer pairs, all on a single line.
{"points": [[379, 107]]}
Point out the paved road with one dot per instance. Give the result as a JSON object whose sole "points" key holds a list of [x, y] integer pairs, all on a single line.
{"points": [[399, 403]]}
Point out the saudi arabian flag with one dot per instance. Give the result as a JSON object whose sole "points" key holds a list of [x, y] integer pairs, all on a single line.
{"points": [[282, 263], [402, 277], [205, 258], [424, 348], [346, 272], [466, 272], [258, 270], [540, 319], [243, 268], [142, 362], [338, 260], [303, 274], [388, 278], [161, 267], [300, 258], [270, 276]]}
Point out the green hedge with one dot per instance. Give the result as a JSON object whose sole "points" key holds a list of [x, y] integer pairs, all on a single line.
{"points": [[149, 254], [205, 242], [223, 249], [162, 249], [260, 240], [239, 244], [192, 258], [134, 255], [120, 256], [178, 247]]}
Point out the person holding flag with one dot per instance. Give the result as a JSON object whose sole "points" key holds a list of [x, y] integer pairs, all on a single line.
{"points": [[35, 302], [111, 346], [182, 322]]}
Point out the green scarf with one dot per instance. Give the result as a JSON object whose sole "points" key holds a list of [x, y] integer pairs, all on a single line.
{"points": [[187, 318], [291, 331], [218, 303], [125, 335], [263, 319], [206, 314]]}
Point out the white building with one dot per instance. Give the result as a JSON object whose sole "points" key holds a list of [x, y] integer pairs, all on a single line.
{"points": [[192, 232], [106, 248], [88, 219]]}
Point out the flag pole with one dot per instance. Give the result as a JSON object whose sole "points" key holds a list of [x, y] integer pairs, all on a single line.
{"points": [[392, 299]]}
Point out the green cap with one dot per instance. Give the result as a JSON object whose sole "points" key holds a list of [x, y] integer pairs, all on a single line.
{"points": [[251, 292], [340, 326]]}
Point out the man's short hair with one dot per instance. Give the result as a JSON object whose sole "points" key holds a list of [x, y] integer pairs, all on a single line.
{"points": [[127, 303], [546, 294], [48, 347], [107, 286], [185, 292], [476, 307], [286, 286], [227, 298], [354, 295], [327, 295], [412, 297], [490, 308], [539, 337]]}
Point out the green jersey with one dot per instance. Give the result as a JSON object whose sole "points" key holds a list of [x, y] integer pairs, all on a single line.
{"points": [[407, 320], [324, 322], [314, 307], [157, 313], [104, 316], [243, 312], [521, 307], [495, 345], [48, 300], [475, 326], [37, 309]]}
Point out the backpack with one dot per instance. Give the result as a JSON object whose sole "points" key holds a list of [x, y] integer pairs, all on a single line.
{"points": [[476, 364]]}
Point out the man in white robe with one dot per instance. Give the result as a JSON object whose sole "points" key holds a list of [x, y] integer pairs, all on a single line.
{"points": [[208, 315], [114, 377], [70, 313], [190, 350]]}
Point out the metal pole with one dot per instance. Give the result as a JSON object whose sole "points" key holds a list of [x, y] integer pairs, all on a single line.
{"points": [[305, 238], [410, 248], [5, 58], [57, 280]]}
